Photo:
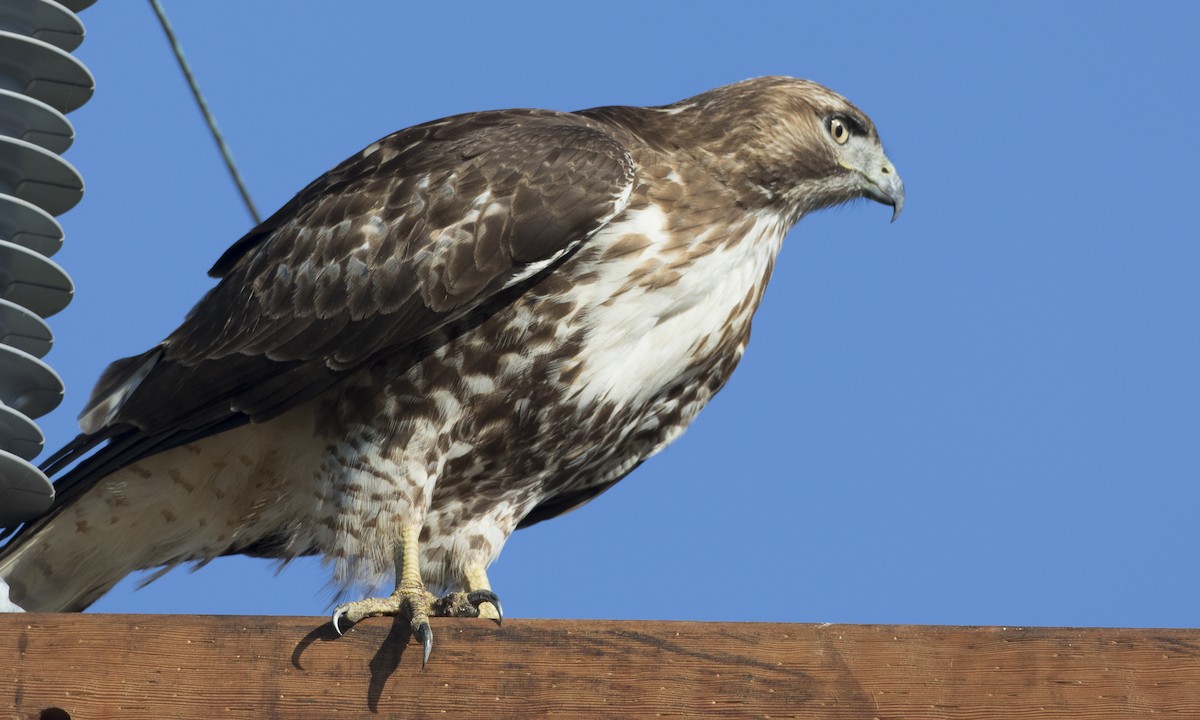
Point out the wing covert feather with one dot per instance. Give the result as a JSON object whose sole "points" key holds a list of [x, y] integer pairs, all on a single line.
{"points": [[417, 230]]}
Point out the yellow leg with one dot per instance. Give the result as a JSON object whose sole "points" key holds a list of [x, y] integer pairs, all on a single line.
{"points": [[412, 601], [477, 580], [410, 598], [408, 560]]}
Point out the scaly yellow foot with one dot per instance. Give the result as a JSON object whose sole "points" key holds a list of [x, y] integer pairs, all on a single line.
{"points": [[477, 580], [418, 605], [411, 600]]}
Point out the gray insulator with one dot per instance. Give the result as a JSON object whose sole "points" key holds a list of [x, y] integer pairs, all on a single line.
{"points": [[40, 81]]}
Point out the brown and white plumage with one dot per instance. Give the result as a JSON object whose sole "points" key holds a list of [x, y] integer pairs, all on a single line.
{"points": [[473, 325]]}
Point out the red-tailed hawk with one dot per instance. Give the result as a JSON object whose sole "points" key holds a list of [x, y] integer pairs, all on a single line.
{"points": [[470, 326]]}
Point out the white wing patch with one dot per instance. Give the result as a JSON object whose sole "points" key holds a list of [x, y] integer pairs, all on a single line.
{"points": [[102, 413]]}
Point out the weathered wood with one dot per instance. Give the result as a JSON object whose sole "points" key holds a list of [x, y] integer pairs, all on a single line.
{"points": [[162, 666]]}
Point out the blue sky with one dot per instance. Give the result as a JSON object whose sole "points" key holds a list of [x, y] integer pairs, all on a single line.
{"points": [[985, 413]]}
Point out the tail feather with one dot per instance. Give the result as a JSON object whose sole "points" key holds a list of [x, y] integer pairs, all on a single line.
{"points": [[34, 578], [65, 560], [7, 605], [121, 510]]}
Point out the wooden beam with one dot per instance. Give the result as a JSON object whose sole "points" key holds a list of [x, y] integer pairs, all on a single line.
{"points": [[163, 666]]}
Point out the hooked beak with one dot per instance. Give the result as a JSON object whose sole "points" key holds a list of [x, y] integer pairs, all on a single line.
{"points": [[885, 186]]}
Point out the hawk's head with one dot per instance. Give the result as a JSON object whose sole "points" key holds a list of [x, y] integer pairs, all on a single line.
{"points": [[793, 145]]}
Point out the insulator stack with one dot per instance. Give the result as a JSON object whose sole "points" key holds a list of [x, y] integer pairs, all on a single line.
{"points": [[40, 81]]}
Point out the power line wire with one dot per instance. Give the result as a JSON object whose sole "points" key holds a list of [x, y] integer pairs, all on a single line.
{"points": [[208, 116]]}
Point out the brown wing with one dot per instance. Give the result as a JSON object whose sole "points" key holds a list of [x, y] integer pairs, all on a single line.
{"points": [[423, 227], [417, 230]]}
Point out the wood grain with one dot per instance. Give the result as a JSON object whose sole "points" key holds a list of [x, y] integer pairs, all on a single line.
{"points": [[163, 666]]}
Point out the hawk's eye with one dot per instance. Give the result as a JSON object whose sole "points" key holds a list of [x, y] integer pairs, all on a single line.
{"points": [[839, 130]]}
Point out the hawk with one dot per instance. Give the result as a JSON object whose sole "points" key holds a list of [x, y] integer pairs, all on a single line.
{"points": [[473, 325]]}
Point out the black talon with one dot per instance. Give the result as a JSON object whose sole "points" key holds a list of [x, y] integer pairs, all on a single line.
{"points": [[424, 633], [476, 597]]}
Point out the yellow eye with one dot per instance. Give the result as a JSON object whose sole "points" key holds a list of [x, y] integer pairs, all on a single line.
{"points": [[839, 130]]}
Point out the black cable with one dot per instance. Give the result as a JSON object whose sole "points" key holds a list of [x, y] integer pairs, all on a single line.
{"points": [[208, 117]]}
